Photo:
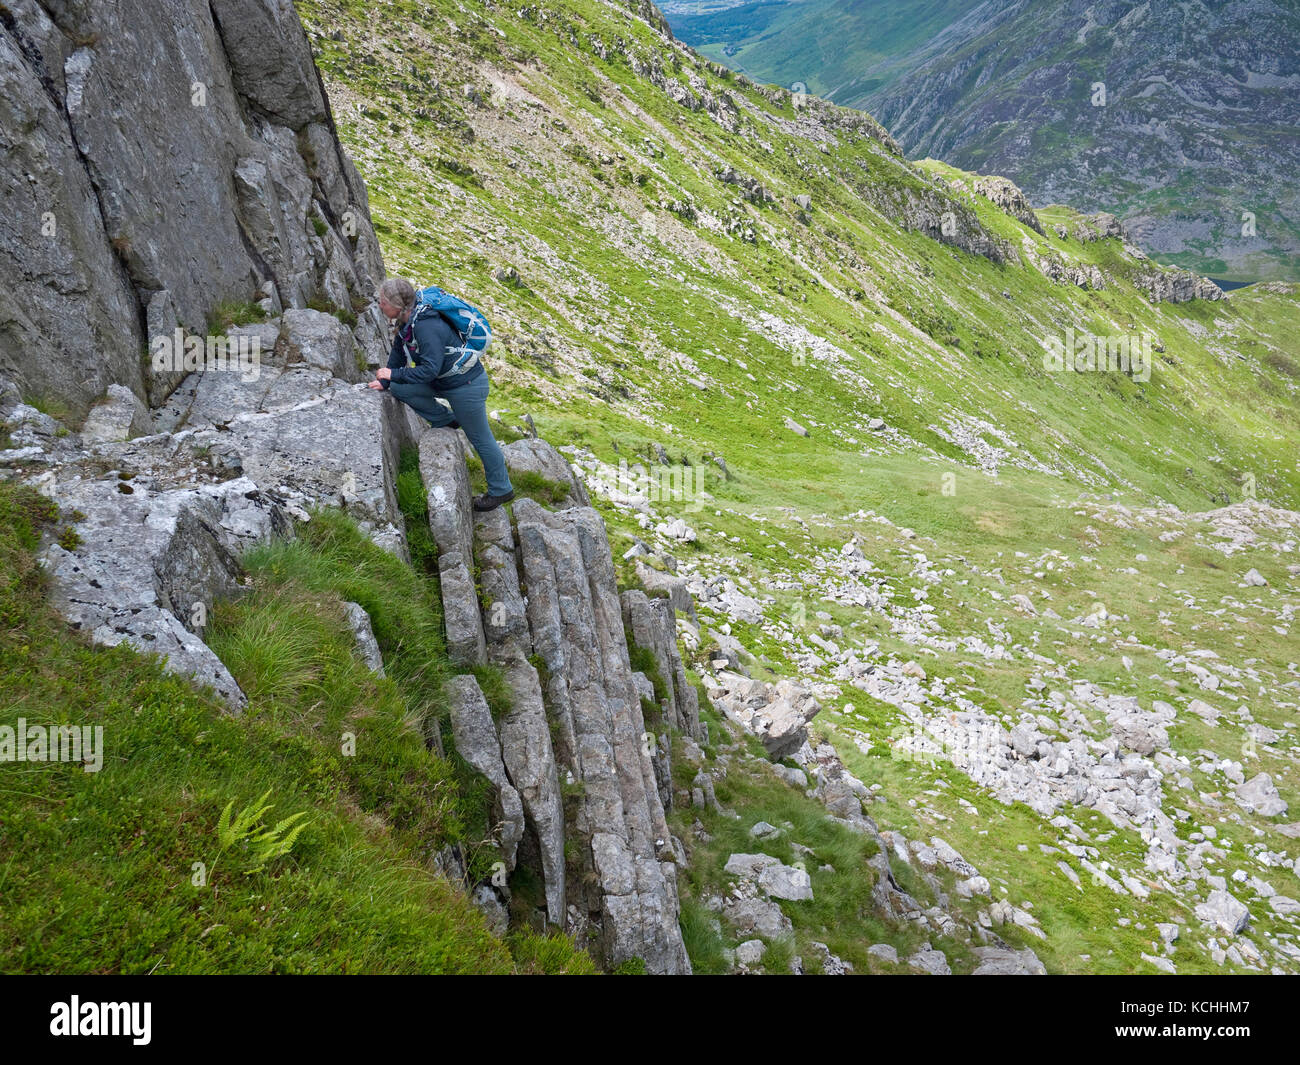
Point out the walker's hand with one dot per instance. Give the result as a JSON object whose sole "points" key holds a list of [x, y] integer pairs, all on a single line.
{"points": [[384, 373], [376, 386]]}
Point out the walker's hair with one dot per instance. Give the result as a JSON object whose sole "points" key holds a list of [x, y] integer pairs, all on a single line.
{"points": [[398, 292]]}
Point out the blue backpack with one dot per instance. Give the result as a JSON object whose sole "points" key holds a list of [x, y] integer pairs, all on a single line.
{"points": [[473, 329]]}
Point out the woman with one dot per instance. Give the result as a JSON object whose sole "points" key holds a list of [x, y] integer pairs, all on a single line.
{"points": [[429, 342]]}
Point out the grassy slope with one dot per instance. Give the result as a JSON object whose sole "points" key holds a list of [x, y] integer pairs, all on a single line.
{"points": [[491, 139], [98, 868]]}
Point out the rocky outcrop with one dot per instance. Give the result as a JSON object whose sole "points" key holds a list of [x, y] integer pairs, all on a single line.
{"points": [[1083, 275], [1101, 226], [778, 714], [1008, 198], [574, 744], [750, 188], [238, 453], [938, 216], [137, 195], [625, 880], [1177, 286]]}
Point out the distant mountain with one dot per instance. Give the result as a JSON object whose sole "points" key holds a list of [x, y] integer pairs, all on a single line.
{"points": [[1193, 145]]}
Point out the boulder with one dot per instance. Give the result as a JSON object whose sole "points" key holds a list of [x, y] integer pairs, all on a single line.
{"points": [[781, 881], [1224, 911], [755, 916], [488, 902], [1259, 794], [884, 951], [1143, 733], [777, 714], [119, 416], [476, 739], [931, 962], [1004, 961]]}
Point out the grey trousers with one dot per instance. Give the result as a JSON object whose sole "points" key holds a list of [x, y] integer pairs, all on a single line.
{"points": [[469, 407]]}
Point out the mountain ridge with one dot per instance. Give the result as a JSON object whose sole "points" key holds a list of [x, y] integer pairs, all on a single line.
{"points": [[1196, 120]]}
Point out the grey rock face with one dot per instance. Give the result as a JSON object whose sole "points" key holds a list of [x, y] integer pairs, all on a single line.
{"points": [[270, 60], [1177, 286], [66, 299], [652, 626], [478, 743], [140, 192], [576, 621], [1082, 275]]}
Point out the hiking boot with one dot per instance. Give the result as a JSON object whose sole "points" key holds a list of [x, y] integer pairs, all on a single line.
{"points": [[491, 502]]}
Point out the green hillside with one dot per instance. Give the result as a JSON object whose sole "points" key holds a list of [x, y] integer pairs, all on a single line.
{"points": [[627, 216]]}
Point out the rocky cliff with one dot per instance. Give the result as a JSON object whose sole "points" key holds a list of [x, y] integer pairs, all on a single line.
{"points": [[159, 163]]}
